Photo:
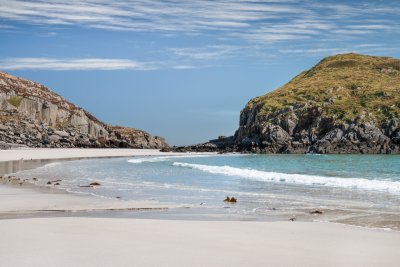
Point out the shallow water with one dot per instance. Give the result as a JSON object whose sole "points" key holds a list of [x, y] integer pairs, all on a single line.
{"points": [[355, 189]]}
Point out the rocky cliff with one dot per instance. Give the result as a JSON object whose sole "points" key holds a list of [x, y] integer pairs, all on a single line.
{"points": [[347, 103], [32, 115]]}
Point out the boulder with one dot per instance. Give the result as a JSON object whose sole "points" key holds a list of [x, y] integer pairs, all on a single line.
{"points": [[61, 133]]}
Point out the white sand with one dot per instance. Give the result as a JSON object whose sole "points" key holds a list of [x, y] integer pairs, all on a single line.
{"points": [[137, 242], [27, 200], [15, 200], [63, 153]]}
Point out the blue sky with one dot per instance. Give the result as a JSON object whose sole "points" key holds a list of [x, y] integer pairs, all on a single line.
{"points": [[183, 69]]}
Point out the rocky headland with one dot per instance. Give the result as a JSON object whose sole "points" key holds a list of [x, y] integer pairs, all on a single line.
{"points": [[32, 115], [347, 103]]}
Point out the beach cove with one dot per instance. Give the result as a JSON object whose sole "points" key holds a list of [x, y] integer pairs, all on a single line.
{"points": [[31, 235]]}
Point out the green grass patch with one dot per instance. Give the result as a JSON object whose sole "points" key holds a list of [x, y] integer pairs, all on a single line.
{"points": [[15, 100], [351, 84]]}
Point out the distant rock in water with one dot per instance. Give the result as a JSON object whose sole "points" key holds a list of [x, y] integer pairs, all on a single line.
{"points": [[32, 115], [347, 103]]}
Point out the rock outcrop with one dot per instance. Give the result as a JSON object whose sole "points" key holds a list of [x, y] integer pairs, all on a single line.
{"points": [[32, 115], [347, 103], [317, 134]]}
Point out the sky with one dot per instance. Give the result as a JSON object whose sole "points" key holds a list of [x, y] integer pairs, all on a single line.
{"points": [[183, 69]]}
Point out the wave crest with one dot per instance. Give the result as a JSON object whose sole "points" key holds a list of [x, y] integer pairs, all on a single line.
{"points": [[301, 179], [164, 158]]}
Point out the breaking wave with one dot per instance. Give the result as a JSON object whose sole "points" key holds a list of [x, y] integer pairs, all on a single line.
{"points": [[163, 158], [301, 179], [50, 165]]}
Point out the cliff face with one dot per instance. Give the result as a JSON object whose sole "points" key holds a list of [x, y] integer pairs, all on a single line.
{"points": [[33, 115], [347, 103]]}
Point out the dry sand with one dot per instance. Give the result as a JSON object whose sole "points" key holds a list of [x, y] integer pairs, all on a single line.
{"points": [[64, 153], [138, 242], [81, 241]]}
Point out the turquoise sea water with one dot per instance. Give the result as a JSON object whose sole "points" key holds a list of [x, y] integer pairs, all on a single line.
{"points": [[347, 187]]}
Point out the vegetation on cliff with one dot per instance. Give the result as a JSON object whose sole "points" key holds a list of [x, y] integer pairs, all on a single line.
{"points": [[347, 87], [33, 115], [347, 103]]}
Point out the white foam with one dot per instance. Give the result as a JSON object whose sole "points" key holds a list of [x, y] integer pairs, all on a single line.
{"points": [[359, 183], [53, 164], [164, 158]]}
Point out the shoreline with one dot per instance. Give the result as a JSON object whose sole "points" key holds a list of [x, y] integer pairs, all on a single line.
{"points": [[30, 200], [47, 227], [80, 153], [42, 157]]}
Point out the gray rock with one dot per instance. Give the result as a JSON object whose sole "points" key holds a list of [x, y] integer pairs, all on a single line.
{"points": [[61, 133], [45, 119], [3, 127], [302, 129], [54, 138]]}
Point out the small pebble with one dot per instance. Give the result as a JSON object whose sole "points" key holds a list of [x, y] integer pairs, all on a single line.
{"points": [[316, 212]]}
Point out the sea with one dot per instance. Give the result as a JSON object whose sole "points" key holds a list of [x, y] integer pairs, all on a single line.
{"points": [[361, 190]]}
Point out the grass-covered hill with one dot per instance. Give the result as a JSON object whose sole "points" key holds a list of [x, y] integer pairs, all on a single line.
{"points": [[347, 103], [346, 86]]}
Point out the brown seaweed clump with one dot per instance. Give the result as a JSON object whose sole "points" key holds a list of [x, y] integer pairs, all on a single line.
{"points": [[230, 199]]}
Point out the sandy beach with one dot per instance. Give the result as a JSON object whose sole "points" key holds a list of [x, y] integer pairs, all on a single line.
{"points": [[71, 153], [34, 240], [129, 242], [30, 201], [206, 133]]}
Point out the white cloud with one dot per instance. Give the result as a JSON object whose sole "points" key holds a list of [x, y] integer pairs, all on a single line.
{"points": [[6, 27], [142, 15], [257, 28], [72, 64], [184, 67], [252, 20], [361, 48], [317, 51], [211, 52], [372, 27]]}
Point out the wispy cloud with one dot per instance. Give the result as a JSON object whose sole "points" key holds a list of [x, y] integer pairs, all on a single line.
{"points": [[183, 67], [314, 51], [142, 15], [227, 29], [360, 48], [259, 21], [72, 64], [210, 52], [6, 27]]}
